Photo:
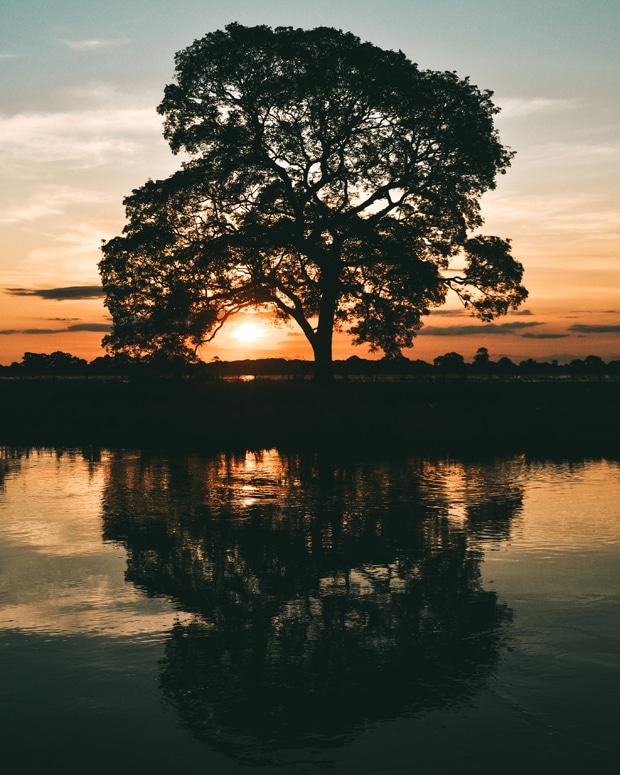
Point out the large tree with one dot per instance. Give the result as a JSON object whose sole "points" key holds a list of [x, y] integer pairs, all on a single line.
{"points": [[327, 180]]}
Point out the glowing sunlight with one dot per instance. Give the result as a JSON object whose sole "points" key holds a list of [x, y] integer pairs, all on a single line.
{"points": [[248, 333]]}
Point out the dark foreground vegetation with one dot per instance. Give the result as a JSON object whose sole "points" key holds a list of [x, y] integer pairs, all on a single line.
{"points": [[449, 366], [450, 416]]}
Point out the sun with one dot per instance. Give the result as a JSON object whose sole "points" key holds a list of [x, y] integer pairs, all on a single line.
{"points": [[248, 332]]}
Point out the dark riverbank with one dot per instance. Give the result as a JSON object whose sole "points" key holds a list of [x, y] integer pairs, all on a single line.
{"points": [[424, 417]]}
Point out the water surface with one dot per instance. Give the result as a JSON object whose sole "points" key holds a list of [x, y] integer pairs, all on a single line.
{"points": [[268, 612]]}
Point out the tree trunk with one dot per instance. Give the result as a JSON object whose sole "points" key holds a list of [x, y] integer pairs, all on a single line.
{"points": [[323, 364], [322, 346]]}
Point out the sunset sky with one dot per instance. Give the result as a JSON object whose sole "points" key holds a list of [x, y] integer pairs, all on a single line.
{"points": [[79, 87]]}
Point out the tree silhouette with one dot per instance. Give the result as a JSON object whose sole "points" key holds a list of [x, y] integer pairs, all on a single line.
{"points": [[482, 359], [328, 181], [54, 362], [450, 362]]}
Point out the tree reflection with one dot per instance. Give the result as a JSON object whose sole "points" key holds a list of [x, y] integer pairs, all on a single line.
{"points": [[324, 595], [10, 463], [489, 496]]}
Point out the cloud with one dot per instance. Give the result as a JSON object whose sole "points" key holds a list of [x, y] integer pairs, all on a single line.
{"points": [[587, 216], [520, 107], [93, 327], [96, 327], [463, 313], [38, 331], [72, 254], [572, 154], [71, 292], [529, 335], [582, 328], [81, 139], [452, 313], [93, 44], [48, 201], [7, 55], [492, 329]]}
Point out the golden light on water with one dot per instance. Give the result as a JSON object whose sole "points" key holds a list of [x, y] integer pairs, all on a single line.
{"points": [[60, 576]]}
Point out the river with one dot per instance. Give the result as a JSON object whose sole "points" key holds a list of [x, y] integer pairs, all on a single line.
{"points": [[271, 612]]}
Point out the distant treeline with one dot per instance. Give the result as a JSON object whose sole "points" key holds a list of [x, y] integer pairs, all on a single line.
{"points": [[451, 364]]}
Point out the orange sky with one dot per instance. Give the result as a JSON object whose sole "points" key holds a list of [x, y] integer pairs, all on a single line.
{"points": [[79, 131]]}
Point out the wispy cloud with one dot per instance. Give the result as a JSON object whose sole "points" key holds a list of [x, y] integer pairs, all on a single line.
{"points": [[582, 328], [520, 107], [71, 292], [570, 154], [92, 327], [580, 215], [529, 335], [463, 313], [80, 139], [7, 55], [70, 254], [96, 327], [48, 201], [493, 329], [582, 313], [449, 313], [93, 44]]}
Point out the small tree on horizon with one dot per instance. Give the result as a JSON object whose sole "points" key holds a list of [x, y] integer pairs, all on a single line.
{"points": [[327, 181], [450, 362], [58, 361], [482, 359]]}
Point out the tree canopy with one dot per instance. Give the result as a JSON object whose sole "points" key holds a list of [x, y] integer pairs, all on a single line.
{"points": [[326, 180]]}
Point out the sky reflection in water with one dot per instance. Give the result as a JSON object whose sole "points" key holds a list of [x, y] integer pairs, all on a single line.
{"points": [[292, 608]]}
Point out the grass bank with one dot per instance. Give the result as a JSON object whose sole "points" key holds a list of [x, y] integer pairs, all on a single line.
{"points": [[452, 417]]}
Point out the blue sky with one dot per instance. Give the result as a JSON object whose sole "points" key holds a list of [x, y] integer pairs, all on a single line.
{"points": [[78, 131]]}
